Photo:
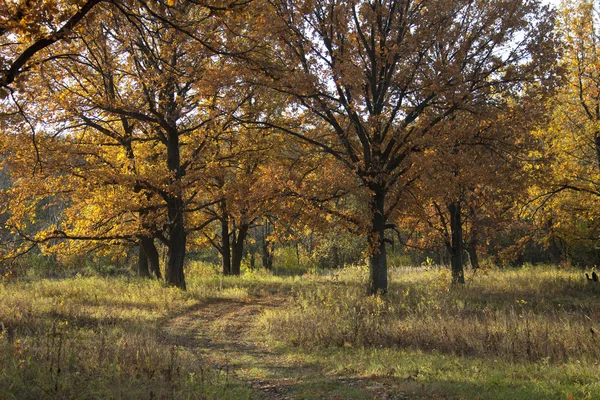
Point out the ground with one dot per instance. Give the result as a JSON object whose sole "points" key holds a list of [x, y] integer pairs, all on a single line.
{"points": [[511, 334], [217, 332]]}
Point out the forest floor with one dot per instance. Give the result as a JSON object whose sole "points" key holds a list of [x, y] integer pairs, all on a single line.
{"points": [[503, 335], [217, 332]]}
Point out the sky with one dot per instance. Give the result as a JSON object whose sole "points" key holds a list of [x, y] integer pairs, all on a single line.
{"points": [[555, 3]]}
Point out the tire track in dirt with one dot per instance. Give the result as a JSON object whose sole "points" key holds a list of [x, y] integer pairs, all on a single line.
{"points": [[215, 331]]}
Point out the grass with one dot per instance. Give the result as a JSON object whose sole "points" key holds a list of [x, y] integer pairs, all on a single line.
{"points": [[528, 333], [533, 315], [100, 338], [418, 374]]}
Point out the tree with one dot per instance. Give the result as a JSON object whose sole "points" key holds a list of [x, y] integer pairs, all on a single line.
{"points": [[137, 112], [28, 27], [382, 74], [239, 186], [482, 175], [569, 195]]}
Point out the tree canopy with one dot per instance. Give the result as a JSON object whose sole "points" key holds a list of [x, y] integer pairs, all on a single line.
{"points": [[173, 126]]}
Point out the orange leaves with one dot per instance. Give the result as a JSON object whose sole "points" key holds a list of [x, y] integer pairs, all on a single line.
{"points": [[303, 123]]}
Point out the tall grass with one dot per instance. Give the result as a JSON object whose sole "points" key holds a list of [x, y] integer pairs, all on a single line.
{"points": [[528, 314], [106, 337], [94, 337], [101, 338]]}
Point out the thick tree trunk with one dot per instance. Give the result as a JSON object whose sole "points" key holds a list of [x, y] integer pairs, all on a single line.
{"points": [[377, 256], [142, 265], [457, 245], [238, 250], [151, 254], [174, 275], [176, 246], [225, 242]]}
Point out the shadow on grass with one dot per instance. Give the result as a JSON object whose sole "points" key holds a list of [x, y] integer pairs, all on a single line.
{"points": [[453, 389], [228, 351]]}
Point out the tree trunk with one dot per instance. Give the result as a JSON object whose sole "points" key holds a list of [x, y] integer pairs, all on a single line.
{"points": [[174, 275], [471, 246], [457, 245], [336, 257], [267, 256], [176, 246], [297, 247], [225, 243], [267, 247], [238, 250], [442, 254], [377, 256], [473, 256], [142, 266], [151, 254], [252, 259]]}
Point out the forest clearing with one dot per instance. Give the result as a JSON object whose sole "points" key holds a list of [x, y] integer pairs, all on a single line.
{"points": [[299, 199], [503, 335]]}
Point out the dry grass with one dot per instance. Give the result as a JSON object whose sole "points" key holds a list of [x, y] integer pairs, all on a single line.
{"points": [[529, 314], [509, 334], [512, 334], [101, 338]]}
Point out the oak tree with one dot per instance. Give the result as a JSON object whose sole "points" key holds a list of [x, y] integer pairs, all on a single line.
{"points": [[382, 74]]}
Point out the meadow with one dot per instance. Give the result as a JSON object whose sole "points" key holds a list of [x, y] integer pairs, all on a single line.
{"points": [[527, 333]]}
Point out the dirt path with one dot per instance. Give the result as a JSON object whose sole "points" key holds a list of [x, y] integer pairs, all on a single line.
{"points": [[216, 332]]}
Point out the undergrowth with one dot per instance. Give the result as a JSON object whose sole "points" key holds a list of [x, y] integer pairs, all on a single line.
{"points": [[529, 333], [536, 314], [102, 338]]}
